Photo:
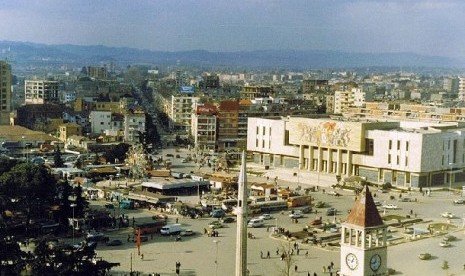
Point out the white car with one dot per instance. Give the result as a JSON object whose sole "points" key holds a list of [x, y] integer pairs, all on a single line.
{"points": [[447, 215], [266, 216], [296, 214], [444, 244], [390, 206]]}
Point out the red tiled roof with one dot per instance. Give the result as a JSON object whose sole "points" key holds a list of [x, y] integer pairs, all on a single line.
{"points": [[364, 212]]}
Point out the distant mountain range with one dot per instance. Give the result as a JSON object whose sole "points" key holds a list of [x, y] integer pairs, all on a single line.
{"points": [[25, 53]]}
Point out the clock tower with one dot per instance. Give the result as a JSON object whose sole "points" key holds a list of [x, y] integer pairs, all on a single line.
{"points": [[364, 239]]}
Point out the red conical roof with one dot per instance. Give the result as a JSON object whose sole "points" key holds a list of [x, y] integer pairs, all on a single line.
{"points": [[364, 212]]}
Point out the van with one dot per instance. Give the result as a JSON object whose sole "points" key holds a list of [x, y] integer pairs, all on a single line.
{"points": [[171, 229], [256, 222]]}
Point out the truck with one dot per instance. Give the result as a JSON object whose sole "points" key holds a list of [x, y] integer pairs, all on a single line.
{"points": [[171, 229]]}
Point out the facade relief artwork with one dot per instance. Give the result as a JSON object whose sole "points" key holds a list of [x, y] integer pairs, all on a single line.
{"points": [[324, 134]]}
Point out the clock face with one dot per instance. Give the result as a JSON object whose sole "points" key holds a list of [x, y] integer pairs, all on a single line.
{"points": [[351, 261], [375, 262]]}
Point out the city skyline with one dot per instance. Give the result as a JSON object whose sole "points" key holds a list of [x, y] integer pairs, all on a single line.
{"points": [[422, 27]]}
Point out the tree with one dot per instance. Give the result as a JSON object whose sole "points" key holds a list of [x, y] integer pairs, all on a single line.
{"points": [[80, 201], [116, 152], [31, 187], [57, 158], [64, 192]]}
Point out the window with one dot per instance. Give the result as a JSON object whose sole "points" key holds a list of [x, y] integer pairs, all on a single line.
{"points": [[258, 130], [406, 161], [397, 159], [398, 145], [406, 145], [389, 159], [390, 144]]}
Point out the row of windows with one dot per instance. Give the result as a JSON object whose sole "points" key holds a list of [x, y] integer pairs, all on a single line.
{"points": [[398, 145], [397, 160]]}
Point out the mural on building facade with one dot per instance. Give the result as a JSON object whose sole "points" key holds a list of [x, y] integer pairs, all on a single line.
{"points": [[324, 134]]}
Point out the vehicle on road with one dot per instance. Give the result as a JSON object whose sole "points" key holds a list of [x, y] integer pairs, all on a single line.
{"points": [[377, 203], [114, 243], [424, 256], [331, 211], [390, 206], [447, 215], [317, 221], [320, 204], [449, 238], [334, 193], [95, 236], [296, 214], [227, 219], [218, 213], [459, 201], [187, 232], [215, 224], [405, 199], [266, 216], [444, 244], [171, 229], [256, 222], [149, 228]]}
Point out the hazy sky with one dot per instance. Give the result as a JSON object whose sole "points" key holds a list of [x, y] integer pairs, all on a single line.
{"points": [[433, 27]]}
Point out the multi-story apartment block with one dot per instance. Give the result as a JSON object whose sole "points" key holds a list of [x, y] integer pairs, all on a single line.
{"points": [[211, 81], [40, 91], [97, 72], [343, 100], [99, 121], [204, 127], [313, 86], [69, 129], [181, 108], [405, 154], [251, 92], [134, 125], [461, 94], [228, 122], [5, 93]]}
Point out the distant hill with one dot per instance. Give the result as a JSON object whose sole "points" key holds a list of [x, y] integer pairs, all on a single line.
{"points": [[36, 54]]}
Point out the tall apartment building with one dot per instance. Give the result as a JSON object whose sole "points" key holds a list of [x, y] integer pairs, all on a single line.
{"points": [[97, 72], [461, 95], [134, 125], [40, 92], [5, 92], [312, 86], [228, 122], [342, 101], [204, 127], [182, 106]]}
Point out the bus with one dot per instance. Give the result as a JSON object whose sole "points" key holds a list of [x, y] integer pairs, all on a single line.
{"points": [[149, 228]]}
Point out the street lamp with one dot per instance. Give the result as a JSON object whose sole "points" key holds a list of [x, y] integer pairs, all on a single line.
{"points": [[216, 257], [72, 206]]}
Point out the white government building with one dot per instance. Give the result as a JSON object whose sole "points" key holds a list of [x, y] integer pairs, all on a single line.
{"points": [[406, 154]]}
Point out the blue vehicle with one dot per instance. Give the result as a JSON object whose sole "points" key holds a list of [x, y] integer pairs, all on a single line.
{"points": [[218, 213]]}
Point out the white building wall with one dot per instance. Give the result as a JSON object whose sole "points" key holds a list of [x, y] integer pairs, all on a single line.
{"points": [[268, 136], [99, 121]]}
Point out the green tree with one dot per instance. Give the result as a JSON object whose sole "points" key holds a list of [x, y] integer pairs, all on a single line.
{"points": [[57, 158], [117, 152], [80, 201], [64, 192], [31, 187]]}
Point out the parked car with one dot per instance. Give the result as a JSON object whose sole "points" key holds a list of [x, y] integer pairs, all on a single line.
{"points": [[390, 206], [331, 211], [320, 204], [227, 219], [405, 199], [266, 216], [444, 244], [218, 213], [296, 214], [215, 224], [334, 193], [114, 243], [448, 238], [95, 236], [187, 232], [424, 256], [316, 222], [459, 201], [447, 215]]}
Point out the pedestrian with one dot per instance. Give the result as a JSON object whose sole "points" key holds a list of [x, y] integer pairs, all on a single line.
{"points": [[308, 274], [268, 255], [314, 274], [295, 268], [306, 254], [298, 250], [142, 256], [277, 254], [129, 237], [332, 265], [261, 254], [176, 220]]}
